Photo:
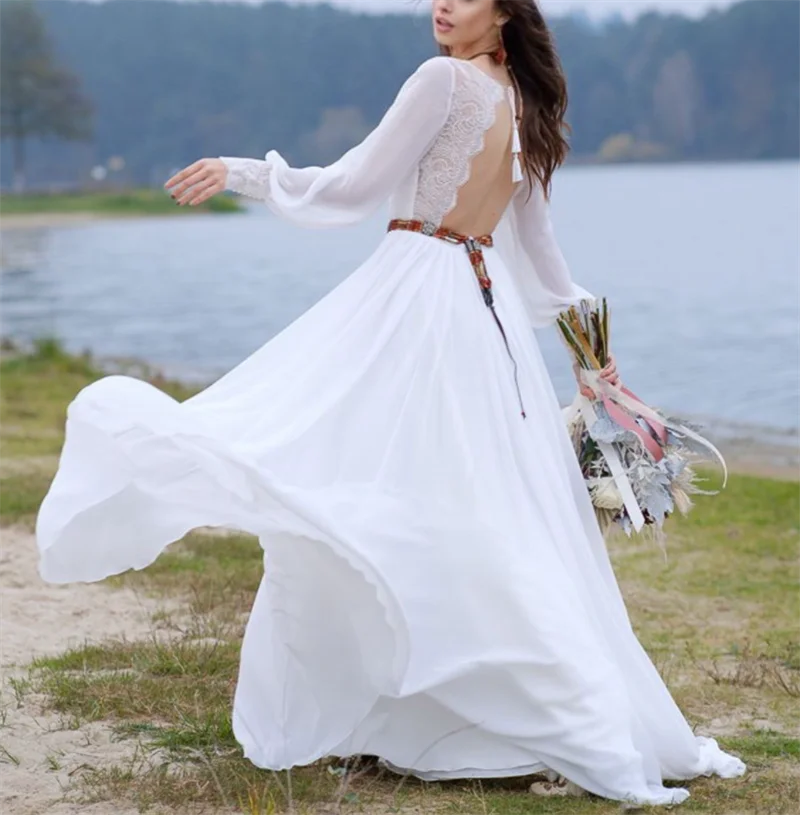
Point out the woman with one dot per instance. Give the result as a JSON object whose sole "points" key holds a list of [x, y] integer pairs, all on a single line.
{"points": [[437, 591]]}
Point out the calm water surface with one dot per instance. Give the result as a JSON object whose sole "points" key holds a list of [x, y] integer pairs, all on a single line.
{"points": [[700, 264]]}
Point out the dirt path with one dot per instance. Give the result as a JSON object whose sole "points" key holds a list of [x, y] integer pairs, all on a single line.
{"points": [[34, 220], [40, 755]]}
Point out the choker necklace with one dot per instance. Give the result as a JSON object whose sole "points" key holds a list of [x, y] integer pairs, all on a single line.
{"points": [[498, 55]]}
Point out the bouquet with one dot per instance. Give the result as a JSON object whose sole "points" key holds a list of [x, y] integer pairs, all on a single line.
{"points": [[636, 460]]}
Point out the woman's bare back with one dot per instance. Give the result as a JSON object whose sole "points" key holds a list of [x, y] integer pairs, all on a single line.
{"points": [[483, 198]]}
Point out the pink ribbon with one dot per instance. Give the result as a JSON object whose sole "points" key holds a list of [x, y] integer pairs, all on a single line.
{"points": [[624, 419]]}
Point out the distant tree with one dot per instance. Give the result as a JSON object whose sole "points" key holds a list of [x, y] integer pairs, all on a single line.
{"points": [[677, 102], [172, 82], [37, 97]]}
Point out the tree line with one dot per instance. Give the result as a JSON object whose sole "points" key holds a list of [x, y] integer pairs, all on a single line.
{"points": [[145, 86]]}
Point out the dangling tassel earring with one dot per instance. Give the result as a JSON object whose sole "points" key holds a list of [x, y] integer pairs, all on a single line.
{"points": [[516, 143], [500, 56]]}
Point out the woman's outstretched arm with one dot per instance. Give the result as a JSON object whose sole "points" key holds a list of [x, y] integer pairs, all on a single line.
{"points": [[355, 185]]}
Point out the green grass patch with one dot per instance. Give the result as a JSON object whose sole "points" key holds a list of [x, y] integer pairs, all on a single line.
{"points": [[36, 386], [173, 683], [730, 577], [20, 497], [765, 744], [222, 778], [218, 574], [184, 657], [145, 201]]}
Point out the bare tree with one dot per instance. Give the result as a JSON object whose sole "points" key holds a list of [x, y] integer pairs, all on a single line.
{"points": [[37, 97]]}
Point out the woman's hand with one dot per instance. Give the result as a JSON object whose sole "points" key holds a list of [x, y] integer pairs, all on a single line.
{"points": [[198, 182], [609, 373]]}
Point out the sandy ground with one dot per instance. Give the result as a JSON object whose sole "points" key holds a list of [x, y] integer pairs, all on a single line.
{"points": [[40, 754], [750, 457], [39, 220], [35, 220]]}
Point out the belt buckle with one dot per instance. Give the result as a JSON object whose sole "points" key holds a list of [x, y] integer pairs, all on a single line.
{"points": [[429, 228]]}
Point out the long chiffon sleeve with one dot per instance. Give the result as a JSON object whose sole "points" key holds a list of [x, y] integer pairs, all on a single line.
{"points": [[355, 185], [532, 253]]}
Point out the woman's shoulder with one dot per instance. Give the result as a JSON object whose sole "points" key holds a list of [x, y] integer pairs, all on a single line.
{"points": [[432, 81], [439, 68], [435, 81], [445, 70]]}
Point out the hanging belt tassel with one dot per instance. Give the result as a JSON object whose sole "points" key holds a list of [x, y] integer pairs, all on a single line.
{"points": [[475, 251], [508, 348]]}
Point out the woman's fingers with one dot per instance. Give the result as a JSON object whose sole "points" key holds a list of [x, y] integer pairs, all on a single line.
{"points": [[185, 173], [209, 192], [199, 193], [583, 388], [609, 372], [198, 182], [189, 184]]}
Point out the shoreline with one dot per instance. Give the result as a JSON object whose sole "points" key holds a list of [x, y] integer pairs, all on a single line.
{"points": [[39, 220], [759, 459], [748, 450], [33, 220]]}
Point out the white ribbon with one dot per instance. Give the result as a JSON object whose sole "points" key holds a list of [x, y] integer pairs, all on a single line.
{"points": [[615, 464]]}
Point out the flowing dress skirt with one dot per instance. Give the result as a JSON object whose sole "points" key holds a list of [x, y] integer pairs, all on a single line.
{"points": [[436, 589]]}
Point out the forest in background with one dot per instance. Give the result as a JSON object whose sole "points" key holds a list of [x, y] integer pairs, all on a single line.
{"points": [[172, 82]]}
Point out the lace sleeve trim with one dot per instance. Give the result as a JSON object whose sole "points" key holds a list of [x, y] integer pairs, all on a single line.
{"points": [[247, 176]]}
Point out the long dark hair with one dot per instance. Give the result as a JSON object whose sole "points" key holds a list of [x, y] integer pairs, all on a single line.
{"points": [[538, 74]]}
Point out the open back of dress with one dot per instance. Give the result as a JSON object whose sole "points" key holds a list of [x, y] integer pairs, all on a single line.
{"points": [[464, 182]]}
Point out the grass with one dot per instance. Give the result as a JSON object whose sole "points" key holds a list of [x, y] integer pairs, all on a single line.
{"points": [[36, 385], [719, 620], [145, 201]]}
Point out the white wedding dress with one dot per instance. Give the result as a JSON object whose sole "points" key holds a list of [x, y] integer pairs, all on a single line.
{"points": [[436, 589]]}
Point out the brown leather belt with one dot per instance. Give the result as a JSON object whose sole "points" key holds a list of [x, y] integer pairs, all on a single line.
{"points": [[474, 247]]}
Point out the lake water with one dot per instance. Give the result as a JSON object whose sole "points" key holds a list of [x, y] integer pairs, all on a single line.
{"points": [[700, 264]]}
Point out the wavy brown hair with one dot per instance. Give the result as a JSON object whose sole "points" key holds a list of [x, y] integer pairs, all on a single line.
{"points": [[537, 72]]}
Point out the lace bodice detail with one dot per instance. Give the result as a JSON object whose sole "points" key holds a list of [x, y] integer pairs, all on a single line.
{"points": [[446, 166]]}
